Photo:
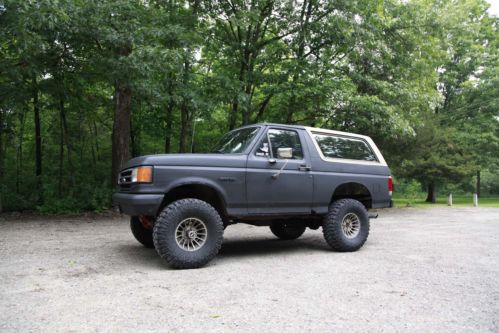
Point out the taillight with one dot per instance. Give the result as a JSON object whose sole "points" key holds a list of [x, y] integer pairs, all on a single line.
{"points": [[390, 185]]}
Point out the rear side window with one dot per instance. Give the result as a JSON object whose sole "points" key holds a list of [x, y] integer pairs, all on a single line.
{"points": [[344, 147]]}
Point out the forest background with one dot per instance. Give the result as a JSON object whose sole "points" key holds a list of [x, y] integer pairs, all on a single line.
{"points": [[87, 84]]}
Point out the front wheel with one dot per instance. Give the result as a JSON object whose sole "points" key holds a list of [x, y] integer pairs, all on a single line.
{"points": [[346, 226], [287, 231], [142, 231], [188, 233]]}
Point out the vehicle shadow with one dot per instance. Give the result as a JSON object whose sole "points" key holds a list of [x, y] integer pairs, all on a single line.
{"points": [[270, 246], [136, 255]]}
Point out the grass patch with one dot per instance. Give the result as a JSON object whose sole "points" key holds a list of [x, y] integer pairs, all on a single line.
{"points": [[458, 201]]}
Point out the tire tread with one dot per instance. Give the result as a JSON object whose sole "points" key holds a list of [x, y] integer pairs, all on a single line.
{"points": [[332, 226], [168, 216]]}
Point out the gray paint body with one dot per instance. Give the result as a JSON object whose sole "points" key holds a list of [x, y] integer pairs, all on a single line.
{"points": [[245, 182]]}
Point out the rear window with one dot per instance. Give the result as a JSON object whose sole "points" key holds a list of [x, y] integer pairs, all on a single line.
{"points": [[333, 146]]}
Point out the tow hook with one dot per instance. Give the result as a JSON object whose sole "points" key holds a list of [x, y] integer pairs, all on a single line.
{"points": [[373, 215]]}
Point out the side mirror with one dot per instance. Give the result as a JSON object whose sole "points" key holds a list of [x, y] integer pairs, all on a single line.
{"points": [[284, 153]]}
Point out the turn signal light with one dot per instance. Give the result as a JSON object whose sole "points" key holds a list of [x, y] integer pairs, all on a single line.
{"points": [[142, 174]]}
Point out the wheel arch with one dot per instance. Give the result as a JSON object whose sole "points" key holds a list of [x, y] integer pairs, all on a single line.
{"points": [[352, 190], [198, 189]]}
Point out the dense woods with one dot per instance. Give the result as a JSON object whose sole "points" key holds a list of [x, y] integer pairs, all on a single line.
{"points": [[87, 84]]}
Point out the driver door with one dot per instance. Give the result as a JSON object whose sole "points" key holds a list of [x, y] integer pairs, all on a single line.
{"points": [[275, 183]]}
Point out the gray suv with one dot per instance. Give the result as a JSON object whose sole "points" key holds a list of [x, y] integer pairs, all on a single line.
{"points": [[282, 176]]}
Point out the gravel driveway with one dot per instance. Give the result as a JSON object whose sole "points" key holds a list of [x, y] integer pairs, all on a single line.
{"points": [[420, 270]]}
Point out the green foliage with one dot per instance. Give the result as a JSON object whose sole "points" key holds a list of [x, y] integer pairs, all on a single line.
{"points": [[436, 156], [420, 77], [490, 179], [458, 201], [409, 190], [87, 199]]}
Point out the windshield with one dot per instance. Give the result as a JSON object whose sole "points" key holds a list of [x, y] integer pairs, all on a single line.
{"points": [[237, 141]]}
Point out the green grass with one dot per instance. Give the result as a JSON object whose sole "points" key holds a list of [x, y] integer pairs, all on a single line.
{"points": [[458, 201]]}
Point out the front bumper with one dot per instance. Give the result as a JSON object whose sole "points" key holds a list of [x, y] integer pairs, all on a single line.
{"points": [[137, 204]]}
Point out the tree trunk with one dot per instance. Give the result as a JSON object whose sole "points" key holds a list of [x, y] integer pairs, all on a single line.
{"points": [[168, 127], [478, 183], [291, 108], [134, 144], [247, 82], [185, 115], [69, 147], [184, 123], [306, 12], [61, 146], [170, 106], [235, 101], [121, 128], [247, 108], [96, 137], [38, 143], [94, 159], [184, 109], [263, 107], [431, 197], [81, 136], [1, 158], [233, 114], [19, 162]]}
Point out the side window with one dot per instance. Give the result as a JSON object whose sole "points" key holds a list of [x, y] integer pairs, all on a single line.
{"points": [[276, 139], [344, 147]]}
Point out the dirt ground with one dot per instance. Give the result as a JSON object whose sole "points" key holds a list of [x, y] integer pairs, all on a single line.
{"points": [[420, 270]]}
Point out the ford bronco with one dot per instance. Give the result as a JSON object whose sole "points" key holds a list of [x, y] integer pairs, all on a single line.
{"points": [[282, 176]]}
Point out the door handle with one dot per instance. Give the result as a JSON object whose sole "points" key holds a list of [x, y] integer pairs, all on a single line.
{"points": [[305, 167]]}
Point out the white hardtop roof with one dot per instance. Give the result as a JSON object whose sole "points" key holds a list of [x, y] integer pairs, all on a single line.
{"points": [[323, 130]]}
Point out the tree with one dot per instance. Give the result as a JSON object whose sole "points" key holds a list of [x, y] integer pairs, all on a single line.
{"points": [[466, 81], [437, 157], [30, 31], [84, 85]]}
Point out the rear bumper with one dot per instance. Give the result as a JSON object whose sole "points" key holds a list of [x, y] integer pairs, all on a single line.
{"points": [[137, 204], [385, 204]]}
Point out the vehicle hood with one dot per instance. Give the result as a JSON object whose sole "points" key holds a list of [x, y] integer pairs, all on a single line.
{"points": [[209, 160]]}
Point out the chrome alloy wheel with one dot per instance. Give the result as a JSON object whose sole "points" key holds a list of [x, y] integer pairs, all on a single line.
{"points": [[350, 225], [191, 234]]}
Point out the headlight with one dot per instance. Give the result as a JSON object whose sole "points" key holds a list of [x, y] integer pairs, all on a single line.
{"points": [[142, 174]]}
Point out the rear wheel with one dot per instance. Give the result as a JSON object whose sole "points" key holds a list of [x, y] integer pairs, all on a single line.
{"points": [[142, 230], [188, 233], [346, 226], [286, 230]]}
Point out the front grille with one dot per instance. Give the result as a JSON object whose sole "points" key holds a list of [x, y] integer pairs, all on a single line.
{"points": [[125, 178]]}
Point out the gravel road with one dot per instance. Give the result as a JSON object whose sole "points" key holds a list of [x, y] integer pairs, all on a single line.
{"points": [[420, 270]]}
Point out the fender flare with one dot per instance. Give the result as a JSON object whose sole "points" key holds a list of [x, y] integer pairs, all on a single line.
{"points": [[198, 181]]}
